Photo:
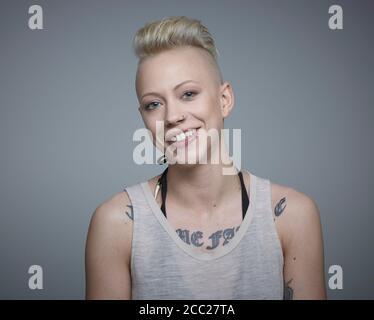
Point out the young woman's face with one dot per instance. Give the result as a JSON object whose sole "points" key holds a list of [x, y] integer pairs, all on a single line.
{"points": [[181, 88]]}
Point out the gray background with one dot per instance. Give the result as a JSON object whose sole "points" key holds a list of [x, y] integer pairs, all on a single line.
{"points": [[304, 101]]}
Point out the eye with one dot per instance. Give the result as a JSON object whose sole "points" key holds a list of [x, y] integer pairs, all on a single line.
{"points": [[151, 106], [189, 94]]}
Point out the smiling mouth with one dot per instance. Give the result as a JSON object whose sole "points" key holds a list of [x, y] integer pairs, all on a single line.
{"points": [[184, 138]]}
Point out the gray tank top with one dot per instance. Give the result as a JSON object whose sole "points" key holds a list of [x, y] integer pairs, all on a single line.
{"points": [[248, 266]]}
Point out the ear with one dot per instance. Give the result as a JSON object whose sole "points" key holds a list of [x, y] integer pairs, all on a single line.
{"points": [[226, 99]]}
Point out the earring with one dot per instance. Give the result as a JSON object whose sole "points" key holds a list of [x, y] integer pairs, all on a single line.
{"points": [[157, 190], [162, 160]]}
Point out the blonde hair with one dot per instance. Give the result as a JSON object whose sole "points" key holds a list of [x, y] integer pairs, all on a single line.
{"points": [[174, 32]]}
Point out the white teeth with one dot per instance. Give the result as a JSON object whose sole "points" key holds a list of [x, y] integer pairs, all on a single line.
{"points": [[182, 136], [189, 133]]}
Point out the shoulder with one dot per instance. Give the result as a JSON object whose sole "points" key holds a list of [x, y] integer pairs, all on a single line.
{"points": [[296, 213], [108, 247], [113, 209], [291, 198], [297, 219], [111, 225]]}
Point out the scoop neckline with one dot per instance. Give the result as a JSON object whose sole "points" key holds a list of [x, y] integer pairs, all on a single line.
{"points": [[223, 250]]}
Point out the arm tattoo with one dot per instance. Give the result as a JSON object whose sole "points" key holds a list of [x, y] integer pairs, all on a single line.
{"points": [[288, 291], [279, 207], [131, 213], [194, 237]]}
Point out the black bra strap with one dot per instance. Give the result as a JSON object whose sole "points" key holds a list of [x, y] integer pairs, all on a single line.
{"points": [[162, 180], [245, 199]]}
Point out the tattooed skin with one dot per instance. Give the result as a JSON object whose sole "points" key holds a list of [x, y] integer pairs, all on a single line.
{"points": [[288, 291], [195, 237], [279, 207], [131, 213]]}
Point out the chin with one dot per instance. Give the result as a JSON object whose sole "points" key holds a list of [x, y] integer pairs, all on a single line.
{"points": [[192, 158]]}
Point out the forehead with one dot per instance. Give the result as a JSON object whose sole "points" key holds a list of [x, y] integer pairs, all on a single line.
{"points": [[170, 67]]}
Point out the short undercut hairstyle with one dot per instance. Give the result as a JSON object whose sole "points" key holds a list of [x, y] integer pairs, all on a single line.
{"points": [[175, 32]]}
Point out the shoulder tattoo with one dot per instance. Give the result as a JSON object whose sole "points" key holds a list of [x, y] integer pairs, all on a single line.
{"points": [[280, 206], [130, 213]]}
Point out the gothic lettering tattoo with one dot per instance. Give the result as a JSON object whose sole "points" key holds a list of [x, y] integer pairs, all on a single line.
{"points": [[195, 237], [184, 235], [131, 213], [228, 234], [215, 239], [279, 207]]}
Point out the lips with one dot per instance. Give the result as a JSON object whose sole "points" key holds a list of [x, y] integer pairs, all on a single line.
{"points": [[180, 138]]}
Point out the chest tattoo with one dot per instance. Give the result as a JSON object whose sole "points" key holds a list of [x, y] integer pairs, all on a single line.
{"points": [[195, 237]]}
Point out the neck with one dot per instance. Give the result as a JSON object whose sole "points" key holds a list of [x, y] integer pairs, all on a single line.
{"points": [[201, 186]]}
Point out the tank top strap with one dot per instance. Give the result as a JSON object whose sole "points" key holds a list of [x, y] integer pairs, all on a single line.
{"points": [[137, 198], [263, 199], [264, 216]]}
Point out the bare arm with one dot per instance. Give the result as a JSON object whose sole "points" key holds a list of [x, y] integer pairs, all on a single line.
{"points": [[304, 254], [108, 250]]}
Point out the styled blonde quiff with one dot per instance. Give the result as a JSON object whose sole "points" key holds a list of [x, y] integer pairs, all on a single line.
{"points": [[174, 32]]}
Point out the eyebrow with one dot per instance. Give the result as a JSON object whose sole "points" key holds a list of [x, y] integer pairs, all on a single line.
{"points": [[175, 88]]}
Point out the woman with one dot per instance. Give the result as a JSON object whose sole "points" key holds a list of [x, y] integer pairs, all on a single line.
{"points": [[195, 232]]}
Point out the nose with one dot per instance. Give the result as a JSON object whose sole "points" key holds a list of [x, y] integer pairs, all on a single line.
{"points": [[173, 116]]}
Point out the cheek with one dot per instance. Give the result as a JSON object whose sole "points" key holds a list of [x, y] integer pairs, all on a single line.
{"points": [[210, 113], [206, 107], [149, 121], [151, 124]]}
